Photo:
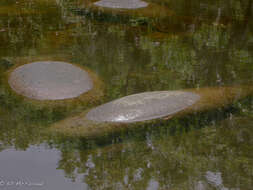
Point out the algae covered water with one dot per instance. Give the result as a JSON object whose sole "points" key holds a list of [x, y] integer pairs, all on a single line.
{"points": [[168, 45]]}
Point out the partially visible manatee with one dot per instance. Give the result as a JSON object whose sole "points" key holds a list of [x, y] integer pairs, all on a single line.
{"points": [[121, 10], [143, 106], [121, 4]]}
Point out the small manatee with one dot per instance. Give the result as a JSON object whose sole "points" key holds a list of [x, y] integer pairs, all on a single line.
{"points": [[50, 80], [121, 4]]}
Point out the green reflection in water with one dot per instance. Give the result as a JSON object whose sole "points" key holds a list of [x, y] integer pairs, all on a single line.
{"points": [[202, 44], [181, 161]]}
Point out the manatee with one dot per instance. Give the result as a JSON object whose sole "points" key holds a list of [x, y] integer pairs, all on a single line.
{"points": [[143, 106], [121, 10], [146, 108], [121, 4], [50, 80], [49, 89]]}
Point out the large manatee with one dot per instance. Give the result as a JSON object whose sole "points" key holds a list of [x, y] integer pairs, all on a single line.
{"points": [[130, 111]]}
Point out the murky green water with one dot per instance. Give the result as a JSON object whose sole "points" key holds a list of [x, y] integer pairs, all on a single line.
{"points": [[192, 44]]}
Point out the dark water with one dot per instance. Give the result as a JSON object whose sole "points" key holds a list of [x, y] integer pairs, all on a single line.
{"points": [[198, 44]]}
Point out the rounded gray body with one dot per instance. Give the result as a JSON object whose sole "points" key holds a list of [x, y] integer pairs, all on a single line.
{"points": [[50, 80], [121, 4], [143, 106]]}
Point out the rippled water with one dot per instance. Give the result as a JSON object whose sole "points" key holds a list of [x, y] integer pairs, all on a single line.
{"points": [[186, 44]]}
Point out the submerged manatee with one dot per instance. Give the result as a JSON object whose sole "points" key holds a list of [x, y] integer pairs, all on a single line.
{"points": [[51, 90], [120, 10], [121, 4], [50, 80], [143, 106], [124, 113]]}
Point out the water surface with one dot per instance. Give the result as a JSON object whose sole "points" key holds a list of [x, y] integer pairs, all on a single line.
{"points": [[199, 44]]}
